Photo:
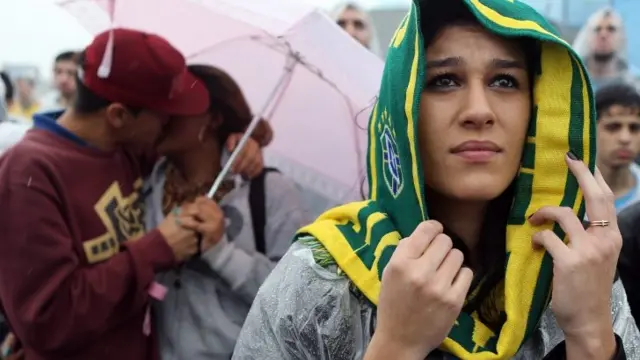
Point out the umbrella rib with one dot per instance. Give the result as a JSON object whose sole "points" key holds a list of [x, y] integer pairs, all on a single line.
{"points": [[281, 45]]}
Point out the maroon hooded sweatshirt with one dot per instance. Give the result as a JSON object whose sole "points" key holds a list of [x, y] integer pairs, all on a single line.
{"points": [[75, 263]]}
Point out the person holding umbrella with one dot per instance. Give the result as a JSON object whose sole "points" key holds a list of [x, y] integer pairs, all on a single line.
{"points": [[208, 298], [471, 246]]}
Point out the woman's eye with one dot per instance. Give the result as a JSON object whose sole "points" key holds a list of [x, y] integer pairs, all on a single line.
{"points": [[505, 81], [443, 81]]}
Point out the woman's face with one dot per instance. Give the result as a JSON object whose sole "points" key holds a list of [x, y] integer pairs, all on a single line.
{"points": [[355, 24], [184, 133], [474, 113]]}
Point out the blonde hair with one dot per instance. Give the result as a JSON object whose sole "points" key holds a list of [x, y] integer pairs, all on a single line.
{"points": [[336, 12], [582, 42]]}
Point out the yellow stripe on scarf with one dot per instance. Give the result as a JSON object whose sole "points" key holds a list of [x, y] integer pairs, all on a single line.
{"points": [[325, 228], [408, 109], [373, 176]]}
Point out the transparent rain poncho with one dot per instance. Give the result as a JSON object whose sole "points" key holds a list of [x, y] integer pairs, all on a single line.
{"points": [[306, 311]]}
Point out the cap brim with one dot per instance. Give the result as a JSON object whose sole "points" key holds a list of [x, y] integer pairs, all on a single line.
{"points": [[194, 100]]}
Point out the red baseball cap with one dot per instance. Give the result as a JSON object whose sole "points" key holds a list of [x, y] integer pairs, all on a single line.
{"points": [[144, 71]]}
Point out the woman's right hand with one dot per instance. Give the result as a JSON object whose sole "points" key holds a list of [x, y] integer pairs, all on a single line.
{"points": [[423, 289], [176, 229]]}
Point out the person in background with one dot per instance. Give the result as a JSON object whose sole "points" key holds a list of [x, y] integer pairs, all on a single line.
{"points": [[77, 264], [357, 23], [201, 317], [65, 67], [4, 114], [11, 130], [618, 140], [8, 89], [629, 261], [25, 104], [602, 44]]}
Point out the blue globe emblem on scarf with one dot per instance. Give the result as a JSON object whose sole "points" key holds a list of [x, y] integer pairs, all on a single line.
{"points": [[392, 169]]}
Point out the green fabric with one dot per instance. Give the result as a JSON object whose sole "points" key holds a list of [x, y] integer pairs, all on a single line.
{"points": [[361, 237]]}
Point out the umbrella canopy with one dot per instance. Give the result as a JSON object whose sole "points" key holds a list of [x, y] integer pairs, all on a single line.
{"points": [[296, 67]]}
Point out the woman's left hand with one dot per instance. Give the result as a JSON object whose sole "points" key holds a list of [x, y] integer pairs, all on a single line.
{"points": [[584, 269], [249, 162], [209, 221]]}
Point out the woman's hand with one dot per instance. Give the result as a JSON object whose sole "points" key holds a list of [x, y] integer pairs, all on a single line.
{"points": [[249, 162], [584, 269], [263, 133], [423, 289], [209, 221]]}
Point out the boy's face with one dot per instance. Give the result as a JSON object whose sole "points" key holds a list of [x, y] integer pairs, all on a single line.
{"points": [[618, 136]]}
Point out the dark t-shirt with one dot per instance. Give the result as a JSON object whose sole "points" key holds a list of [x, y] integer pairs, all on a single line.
{"points": [[629, 262]]}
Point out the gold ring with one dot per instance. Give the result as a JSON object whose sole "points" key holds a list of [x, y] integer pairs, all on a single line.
{"points": [[600, 223]]}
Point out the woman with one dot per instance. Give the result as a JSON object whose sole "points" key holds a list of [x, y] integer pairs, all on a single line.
{"points": [[208, 299], [482, 132], [602, 43], [357, 23]]}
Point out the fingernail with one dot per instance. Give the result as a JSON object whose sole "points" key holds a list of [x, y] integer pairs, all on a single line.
{"points": [[572, 156], [530, 216]]}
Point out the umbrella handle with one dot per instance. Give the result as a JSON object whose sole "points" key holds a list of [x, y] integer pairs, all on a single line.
{"points": [[284, 79]]}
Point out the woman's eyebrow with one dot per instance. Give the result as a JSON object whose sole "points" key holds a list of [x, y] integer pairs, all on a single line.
{"points": [[445, 62], [496, 63]]}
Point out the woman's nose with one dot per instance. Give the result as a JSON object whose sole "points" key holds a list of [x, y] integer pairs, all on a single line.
{"points": [[477, 109]]}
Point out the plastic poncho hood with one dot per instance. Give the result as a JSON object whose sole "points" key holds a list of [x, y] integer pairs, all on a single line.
{"points": [[361, 237]]}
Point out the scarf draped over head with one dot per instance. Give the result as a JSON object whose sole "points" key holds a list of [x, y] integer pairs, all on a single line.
{"points": [[361, 237]]}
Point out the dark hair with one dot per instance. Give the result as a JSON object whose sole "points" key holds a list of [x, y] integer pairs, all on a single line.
{"points": [[489, 272], [226, 98], [86, 101], [67, 56], [619, 93], [8, 86]]}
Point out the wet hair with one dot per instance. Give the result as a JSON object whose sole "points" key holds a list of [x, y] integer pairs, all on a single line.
{"points": [[227, 100], [619, 93], [489, 272], [66, 56], [8, 87]]}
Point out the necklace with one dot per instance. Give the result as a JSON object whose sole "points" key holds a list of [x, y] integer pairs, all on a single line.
{"points": [[178, 190]]}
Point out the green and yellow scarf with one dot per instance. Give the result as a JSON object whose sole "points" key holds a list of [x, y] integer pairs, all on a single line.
{"points": [[361, 237]]}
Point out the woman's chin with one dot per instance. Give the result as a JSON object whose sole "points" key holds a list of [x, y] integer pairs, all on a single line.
{"points": [[477, 189]]}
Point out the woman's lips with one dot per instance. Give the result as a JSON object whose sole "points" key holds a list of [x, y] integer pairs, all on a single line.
{"points": [[477, 156], [476, 151]]}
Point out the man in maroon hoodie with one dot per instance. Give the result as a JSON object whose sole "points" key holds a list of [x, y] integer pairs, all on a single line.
{"points": [[75, 263]]}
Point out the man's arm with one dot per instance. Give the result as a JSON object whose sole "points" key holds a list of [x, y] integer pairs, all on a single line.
{"points": [[52, 301]]}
